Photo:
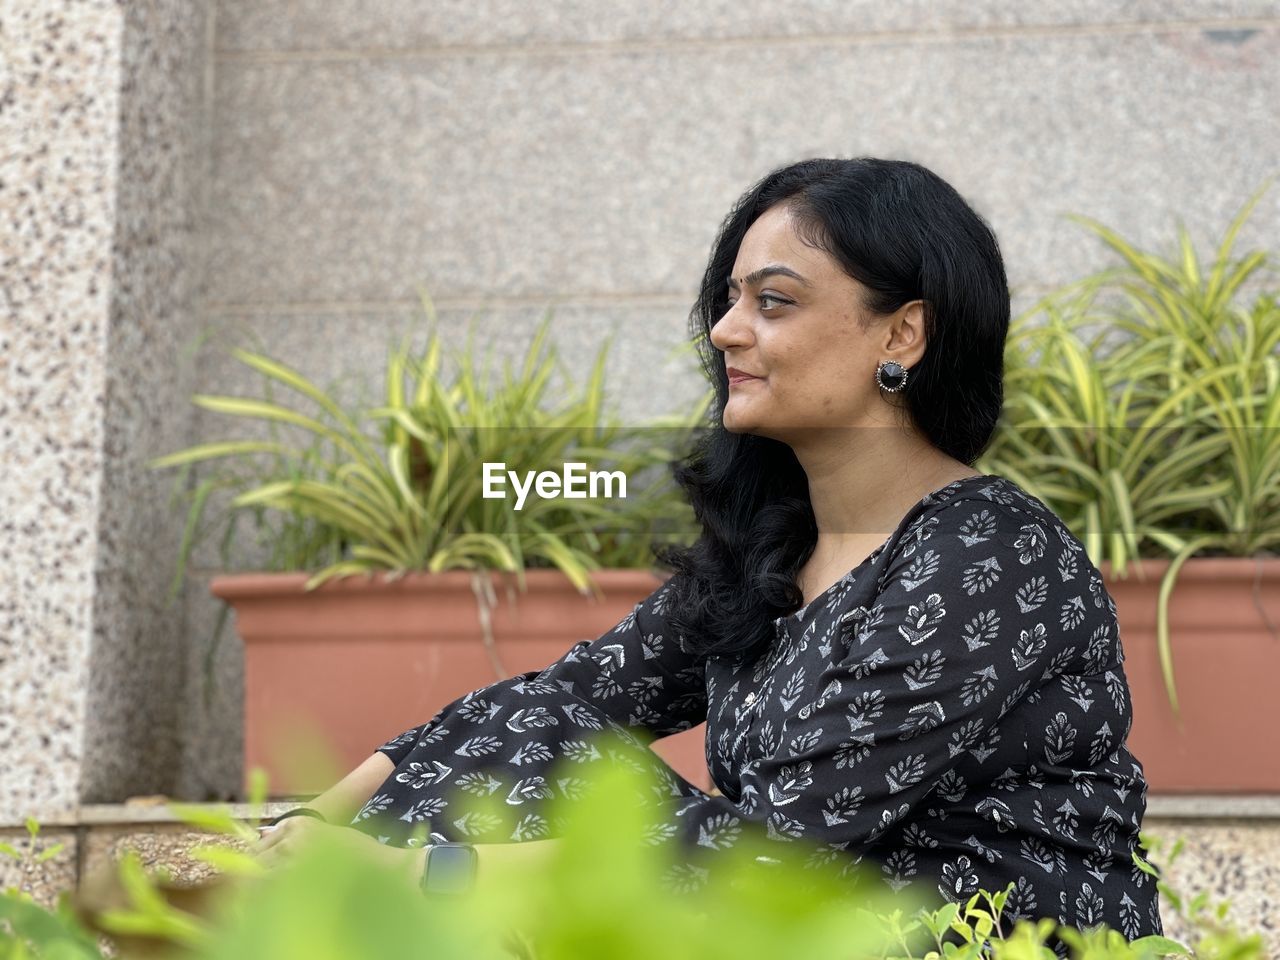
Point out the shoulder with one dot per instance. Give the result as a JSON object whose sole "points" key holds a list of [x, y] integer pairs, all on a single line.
{"points": [[1002, 507], [999, 530], [1003, 565]]}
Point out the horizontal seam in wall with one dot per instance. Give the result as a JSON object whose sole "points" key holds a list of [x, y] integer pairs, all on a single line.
{"points": [[557, 48], [683, 301]]}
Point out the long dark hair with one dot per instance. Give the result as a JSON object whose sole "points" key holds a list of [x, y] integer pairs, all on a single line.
{"points": [[905, 234]]}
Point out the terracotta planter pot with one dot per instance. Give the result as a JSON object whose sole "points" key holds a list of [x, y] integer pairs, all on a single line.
{"points": [[1226, 663], [360, 660]]}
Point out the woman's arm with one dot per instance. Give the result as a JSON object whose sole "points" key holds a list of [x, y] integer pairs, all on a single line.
{"points": [[496, 864], [340, 802]]}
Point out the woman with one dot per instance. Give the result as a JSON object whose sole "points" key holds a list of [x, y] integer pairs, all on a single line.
{"points": [[947, 704]]}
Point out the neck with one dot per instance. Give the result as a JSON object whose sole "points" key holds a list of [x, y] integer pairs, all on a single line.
{"points": [[863, 481]]}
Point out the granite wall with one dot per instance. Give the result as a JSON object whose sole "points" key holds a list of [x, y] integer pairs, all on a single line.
{"points": [[105, 141]]}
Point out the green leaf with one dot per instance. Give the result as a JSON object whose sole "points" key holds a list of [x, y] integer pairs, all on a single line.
{"points": [[217, 819], [50, 852], [225, 448], [1164, 946], [228, 861]]}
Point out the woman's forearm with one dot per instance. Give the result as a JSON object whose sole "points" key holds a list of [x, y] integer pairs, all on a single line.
{"points": [[344, 799], [496, 862]]}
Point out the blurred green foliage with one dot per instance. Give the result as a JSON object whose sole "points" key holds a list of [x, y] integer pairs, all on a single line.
{"points": [[601, 895]]}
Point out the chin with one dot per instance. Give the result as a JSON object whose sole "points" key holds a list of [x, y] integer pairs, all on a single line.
{"points": [[740, 414], [744, 426], [737, 423]]}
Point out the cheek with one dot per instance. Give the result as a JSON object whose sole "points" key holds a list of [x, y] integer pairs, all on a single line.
{"points": [[830, 386], [823, 374]]}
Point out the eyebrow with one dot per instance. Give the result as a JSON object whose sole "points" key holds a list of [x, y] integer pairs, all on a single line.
{"points": [[773, 269]]}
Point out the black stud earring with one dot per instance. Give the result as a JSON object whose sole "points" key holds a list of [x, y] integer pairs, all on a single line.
{"points": [[891, 376]]}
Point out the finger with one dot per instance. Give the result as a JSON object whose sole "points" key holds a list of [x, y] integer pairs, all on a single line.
{"points": [[275, 856], [272, 836]]}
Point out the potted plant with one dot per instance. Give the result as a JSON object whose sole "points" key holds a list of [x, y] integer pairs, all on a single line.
{"points": [[358, 659], [1164, 454]]}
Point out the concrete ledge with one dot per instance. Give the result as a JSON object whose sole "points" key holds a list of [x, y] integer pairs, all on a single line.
{"points": [[1214, 806], [97, 814], [1159, 806], [113, 813]]}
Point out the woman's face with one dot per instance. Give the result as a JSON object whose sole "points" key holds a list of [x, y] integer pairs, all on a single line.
{"points": [[799, 336]]}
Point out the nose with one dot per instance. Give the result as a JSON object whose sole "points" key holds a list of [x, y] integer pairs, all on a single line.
{"points": [[730, 330]]}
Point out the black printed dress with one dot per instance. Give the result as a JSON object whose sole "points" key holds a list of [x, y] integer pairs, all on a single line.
{"points": [[953, 712]]}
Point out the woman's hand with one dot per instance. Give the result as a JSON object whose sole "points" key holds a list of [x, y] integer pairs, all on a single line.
{"points": [[279, 842], [496, 860]]}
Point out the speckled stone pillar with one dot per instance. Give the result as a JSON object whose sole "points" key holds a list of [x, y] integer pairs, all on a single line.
{"points": [[102, 145]]}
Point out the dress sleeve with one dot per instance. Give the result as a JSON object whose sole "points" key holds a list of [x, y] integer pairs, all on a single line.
{"points": [[637, 678], [959, 633]]}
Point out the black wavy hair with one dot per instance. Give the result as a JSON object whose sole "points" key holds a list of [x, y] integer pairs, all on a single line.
{"points": [[906, 234]]}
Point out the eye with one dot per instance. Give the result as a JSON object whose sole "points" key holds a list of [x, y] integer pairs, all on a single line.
{"points": [[776, 301]]}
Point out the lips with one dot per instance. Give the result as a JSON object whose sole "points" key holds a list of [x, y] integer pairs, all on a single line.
{"points": [[737, 376]]}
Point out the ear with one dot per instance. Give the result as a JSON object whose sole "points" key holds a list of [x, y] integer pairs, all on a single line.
{"points": [[905, 336]]}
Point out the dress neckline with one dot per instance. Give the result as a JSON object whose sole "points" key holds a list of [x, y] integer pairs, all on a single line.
{"points": [[934, 496]]}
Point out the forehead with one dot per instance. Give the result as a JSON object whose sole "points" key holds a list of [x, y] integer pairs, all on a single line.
{"points": [[771, 241]]}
